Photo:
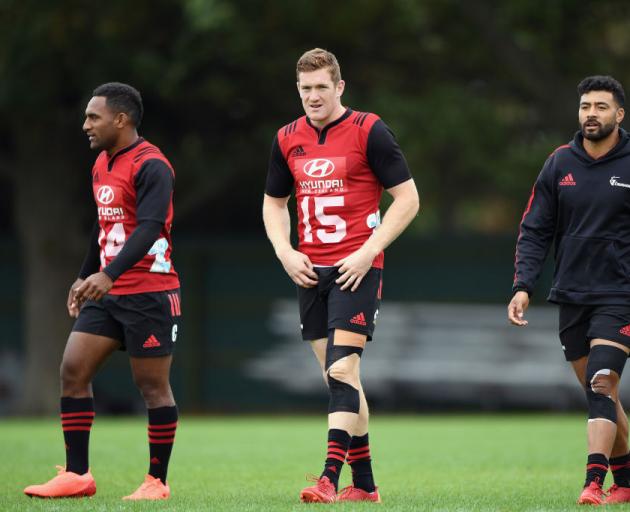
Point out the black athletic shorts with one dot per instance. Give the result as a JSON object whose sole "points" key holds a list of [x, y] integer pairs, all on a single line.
{"points": [[144, 323], [581, 324], [326, 306]]}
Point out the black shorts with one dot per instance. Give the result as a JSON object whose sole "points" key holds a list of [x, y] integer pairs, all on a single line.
{"points": [[144, 323], [581, 324], [326, 306]]}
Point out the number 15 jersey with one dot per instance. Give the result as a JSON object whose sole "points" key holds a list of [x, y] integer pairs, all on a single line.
{"points": [[339, 173]]}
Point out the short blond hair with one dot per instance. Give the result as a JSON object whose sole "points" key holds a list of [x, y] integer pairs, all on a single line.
{"points": [[317, 58]]}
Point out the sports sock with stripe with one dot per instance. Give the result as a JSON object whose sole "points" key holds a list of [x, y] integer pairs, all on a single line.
{"points": [[361, 463], [162, 426], [338, 442], [620, 467], [77, 415], [596, 468]]}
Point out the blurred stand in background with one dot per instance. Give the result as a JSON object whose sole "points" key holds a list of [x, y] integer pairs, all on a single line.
{"points": [[442, 342]]}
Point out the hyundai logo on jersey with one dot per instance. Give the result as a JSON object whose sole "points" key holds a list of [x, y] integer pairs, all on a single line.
{"points": [[105, 195], [319, 168]]}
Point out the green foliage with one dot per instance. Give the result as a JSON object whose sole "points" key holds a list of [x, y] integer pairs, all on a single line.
{"points": [[477, 92], [446, 463]]}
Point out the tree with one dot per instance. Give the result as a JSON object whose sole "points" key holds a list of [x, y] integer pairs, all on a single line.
{"points": [[478, 94]]}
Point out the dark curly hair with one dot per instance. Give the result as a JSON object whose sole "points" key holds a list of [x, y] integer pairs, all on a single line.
{"points": [[602, 83], [122, 98]]}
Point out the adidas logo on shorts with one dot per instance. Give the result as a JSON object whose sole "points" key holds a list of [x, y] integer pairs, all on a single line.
{"points": [[151, 342], [358, 319]]}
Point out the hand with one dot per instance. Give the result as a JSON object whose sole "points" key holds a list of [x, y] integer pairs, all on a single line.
{"points": [[354, 267], [517, 307], [93, 288], [299, 268], [73, 305]]}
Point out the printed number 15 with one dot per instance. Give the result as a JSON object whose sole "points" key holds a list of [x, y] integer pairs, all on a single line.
{"points": [[337, 222]]}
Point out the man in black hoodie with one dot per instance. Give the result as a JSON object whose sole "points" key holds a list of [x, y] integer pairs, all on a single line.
{"points": [[581, 203]]}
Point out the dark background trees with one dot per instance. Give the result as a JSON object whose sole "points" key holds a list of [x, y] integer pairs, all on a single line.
{"points": [[478, 94]]}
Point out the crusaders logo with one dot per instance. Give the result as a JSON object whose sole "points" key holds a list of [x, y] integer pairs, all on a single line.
{"points": [[319, 168], [105, 195]]}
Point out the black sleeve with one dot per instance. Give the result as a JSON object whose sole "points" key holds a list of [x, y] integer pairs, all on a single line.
{"points": [[279, 177], [135, 248], [385, 157], [154, 188], [536, 231], [92, 261]]}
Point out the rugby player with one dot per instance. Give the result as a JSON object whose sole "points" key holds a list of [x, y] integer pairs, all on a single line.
{"points": [[126, 296], [581, 203], [338, 161]]}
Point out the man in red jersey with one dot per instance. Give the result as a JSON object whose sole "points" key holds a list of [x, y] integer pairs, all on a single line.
{"points": [[339, 162], [127, 294]]}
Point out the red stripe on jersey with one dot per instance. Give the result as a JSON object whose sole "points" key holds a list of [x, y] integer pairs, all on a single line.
{"points": [[336, 450], [564, 146], [72, 429], [520, 228], [178, 306], [336, 457]]}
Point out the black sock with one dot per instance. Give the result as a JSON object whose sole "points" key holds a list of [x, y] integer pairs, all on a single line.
{"points": [[77, 415], [596, 469], [361, 463], [338, 442], [162, 425], [620, 467]]}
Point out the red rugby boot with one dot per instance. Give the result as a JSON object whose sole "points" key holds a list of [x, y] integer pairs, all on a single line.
{"points": [[592, 495], [65, 485], [151, 489], [322, 492], [618, 494], [351, 493]]}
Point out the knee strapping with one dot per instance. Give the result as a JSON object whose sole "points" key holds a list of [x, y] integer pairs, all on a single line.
{"points": [[343, 396], [602, 360]]}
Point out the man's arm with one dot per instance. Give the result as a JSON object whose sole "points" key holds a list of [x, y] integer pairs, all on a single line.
{"points": [[91, 264], [398, 216], [154, 189], [390, 167], [278, 227], [535, 237], [278, 221]]}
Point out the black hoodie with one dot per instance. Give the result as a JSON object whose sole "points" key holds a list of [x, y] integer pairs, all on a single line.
{"points": [[583, 206]]}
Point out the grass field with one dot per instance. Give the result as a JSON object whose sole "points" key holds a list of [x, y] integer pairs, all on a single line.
{"points": [[440, 463]]}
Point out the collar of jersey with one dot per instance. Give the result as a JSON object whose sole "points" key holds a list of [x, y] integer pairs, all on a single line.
{"points": [[343, 117], [110, 161]]}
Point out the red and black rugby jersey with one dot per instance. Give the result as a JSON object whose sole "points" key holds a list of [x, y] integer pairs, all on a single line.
{"points": [[339, 173], [129, 187]]}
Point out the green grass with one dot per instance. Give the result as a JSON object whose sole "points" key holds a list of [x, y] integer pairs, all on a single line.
{"points": [[437, 463]]}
